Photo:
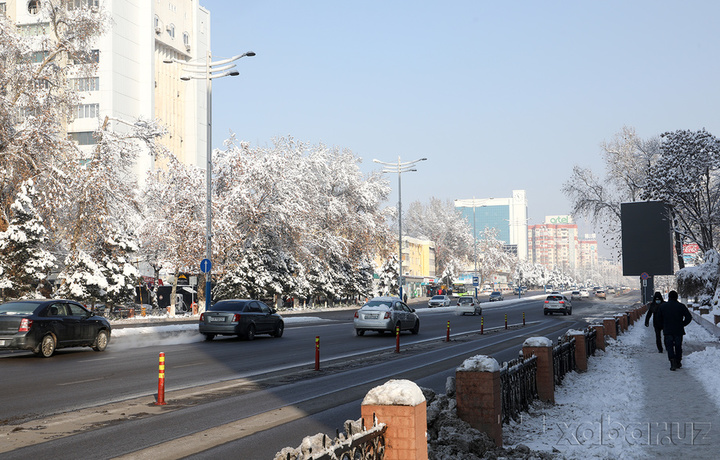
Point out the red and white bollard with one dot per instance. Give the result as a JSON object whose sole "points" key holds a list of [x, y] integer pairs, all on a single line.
{"points": [[161, 381]]}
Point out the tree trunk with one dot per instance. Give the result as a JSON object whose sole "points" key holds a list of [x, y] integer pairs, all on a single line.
{"points": [[174, 292]]}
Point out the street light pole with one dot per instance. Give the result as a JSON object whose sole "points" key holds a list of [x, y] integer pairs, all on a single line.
{"points": [[209, 71], [399, 168], [475, 246]]}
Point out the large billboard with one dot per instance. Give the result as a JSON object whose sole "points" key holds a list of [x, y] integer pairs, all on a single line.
{"points": [[647, 243]]}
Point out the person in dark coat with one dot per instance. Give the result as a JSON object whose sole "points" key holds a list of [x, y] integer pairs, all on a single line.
{"points": [[673, 316], [652, 310]]}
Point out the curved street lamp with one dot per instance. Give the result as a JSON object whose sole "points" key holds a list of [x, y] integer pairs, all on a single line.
{"points": [[399, 168], [209, 71]]}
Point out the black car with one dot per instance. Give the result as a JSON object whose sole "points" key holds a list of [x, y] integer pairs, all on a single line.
{"points": [[245, 318], [42, 326]]}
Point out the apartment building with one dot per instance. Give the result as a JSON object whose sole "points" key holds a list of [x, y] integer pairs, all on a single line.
{"points": [[131, 80], [556, 244]]}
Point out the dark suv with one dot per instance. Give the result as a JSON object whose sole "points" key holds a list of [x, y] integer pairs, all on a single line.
{"points": [[244, 318]]}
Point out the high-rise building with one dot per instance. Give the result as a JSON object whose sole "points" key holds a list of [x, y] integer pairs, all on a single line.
{"points": [[556, 244], [507, 215], [131, 80]]}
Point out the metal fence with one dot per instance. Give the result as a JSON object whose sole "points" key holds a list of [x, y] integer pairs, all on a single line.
{"points": [[365, 444], [590, 341], [563, 358], [518, 385]]}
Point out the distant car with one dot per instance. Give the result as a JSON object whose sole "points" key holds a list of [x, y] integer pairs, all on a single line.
{"points": [[548, 288], [557, 304], [495, 296], [600, 294], [584, 294], [519, 290], [384, 314], [439, 301], [575, 295], [242, 317], [610, 290], [469, 305], [42, 326]]}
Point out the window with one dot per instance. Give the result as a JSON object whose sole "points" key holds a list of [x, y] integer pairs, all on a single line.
{"points": [[86, 84], [171, 30], [88, 58], [186, 39], [3, 9], [34, 6], [158, 28], [83, 138], [75, 4], [38, 56], [87, 111]]}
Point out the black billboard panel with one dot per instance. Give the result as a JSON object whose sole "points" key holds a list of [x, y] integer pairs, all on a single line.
{"points": [[647, 243]]}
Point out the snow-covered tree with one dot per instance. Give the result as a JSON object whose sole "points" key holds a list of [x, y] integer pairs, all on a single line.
{"points": [[24, 258], [441, 223], [387, 283], [492, 258], [120, 273], [82, 279], [701, 281]]}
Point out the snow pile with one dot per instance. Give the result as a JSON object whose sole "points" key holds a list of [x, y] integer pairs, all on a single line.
{"points": [[395, 393], [538, 342], [570, 332], [312, 446], [479, 363]]}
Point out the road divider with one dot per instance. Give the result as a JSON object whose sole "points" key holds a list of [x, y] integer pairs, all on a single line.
{"points": [[161, 381]]}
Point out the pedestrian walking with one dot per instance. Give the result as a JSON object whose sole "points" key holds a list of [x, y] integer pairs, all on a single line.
{"points": [[652, 310], [673, 316]]}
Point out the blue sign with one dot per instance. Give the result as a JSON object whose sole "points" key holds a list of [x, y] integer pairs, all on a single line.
{"points": [[205, 266], [476, 281]]}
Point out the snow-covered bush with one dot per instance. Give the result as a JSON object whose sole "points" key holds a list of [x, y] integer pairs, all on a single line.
{"points": [[700, 281]]}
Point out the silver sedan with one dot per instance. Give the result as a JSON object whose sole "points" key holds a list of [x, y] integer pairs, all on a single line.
{"points": [[384, 314]]}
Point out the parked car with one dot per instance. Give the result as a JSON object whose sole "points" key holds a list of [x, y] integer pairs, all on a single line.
{"points": [[439, 301], [557, 304], [469, 305], [43, 326], [575, 295], [496, 295], [600, 294], [242, 317], [384, 314]]}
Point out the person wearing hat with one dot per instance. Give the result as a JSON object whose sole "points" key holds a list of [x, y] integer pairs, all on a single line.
{"points": [[652, 310]]}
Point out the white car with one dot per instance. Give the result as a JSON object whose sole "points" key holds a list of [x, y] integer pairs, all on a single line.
{"points": [[439, 301], [384, 314], [584, 294], [468, 305]]}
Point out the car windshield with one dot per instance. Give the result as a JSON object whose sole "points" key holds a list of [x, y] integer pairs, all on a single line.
{"points": [[18, 308], [495, 293], [465, 300], [377, 304], [438, 297], [228, 306], [554, 297]]}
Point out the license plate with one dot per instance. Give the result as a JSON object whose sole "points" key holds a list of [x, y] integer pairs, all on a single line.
{"points": [[375, 316], [4, 342], [217, 319]]}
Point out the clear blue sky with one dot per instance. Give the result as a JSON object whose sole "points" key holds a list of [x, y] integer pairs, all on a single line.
{"points": [[497, 95]]}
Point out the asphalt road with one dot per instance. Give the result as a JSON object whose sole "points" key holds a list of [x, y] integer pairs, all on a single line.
{"points": [[231, 398]]}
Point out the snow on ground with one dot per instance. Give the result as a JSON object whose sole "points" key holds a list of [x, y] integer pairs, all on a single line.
{"points": [[596, 413]]}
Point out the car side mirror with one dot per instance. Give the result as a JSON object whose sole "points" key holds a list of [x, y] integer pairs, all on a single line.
{"points": [[412, 310]]}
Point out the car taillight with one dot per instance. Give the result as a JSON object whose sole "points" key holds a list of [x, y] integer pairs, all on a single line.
{"points": [[356, 315], [387, 315], [236, 317], [547, 301], [562, 301], [202, 316], [25, 325]]}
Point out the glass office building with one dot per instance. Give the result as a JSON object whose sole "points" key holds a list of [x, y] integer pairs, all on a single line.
{"points": [[507, 215]]}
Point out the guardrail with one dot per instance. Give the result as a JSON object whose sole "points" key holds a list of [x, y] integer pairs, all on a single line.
{"points": [[363, 444]]}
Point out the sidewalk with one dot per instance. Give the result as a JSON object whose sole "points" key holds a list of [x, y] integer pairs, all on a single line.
{"points": [[629, 405]]}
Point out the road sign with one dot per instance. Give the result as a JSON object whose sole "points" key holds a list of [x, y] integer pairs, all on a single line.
{"points": [[644, 276], [205, 266], [476, 281]]}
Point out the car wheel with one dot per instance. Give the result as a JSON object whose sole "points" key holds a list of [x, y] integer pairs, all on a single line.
{"points": [[570, 312], [565, 312], [101, 341], [416, 328], [360, 332], [250, 334], [209, 337], [47, 346], [279, 329], [545, 312]]}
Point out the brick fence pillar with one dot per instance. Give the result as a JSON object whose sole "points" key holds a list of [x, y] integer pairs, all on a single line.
{"points": [[623, 322], [609, 325], [580, 350], [599, 336], [478, 396], [542, 347], [401, 406]]}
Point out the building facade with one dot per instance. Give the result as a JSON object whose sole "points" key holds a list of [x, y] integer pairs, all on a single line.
{"points": [[556, 244], [131, 80], [507, 215]]}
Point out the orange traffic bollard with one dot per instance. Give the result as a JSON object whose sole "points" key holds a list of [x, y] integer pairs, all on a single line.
{"points": [[505, 320], [397, 339], [317, 353], [161, 382], [447, 337], [482, 324]]}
